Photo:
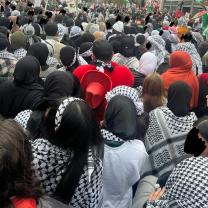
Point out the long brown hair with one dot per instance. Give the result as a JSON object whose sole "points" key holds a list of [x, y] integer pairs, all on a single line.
{"points": [[17, 177], [153, 92]]}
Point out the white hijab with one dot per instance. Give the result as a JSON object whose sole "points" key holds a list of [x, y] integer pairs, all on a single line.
{"points": [[147, 63]]}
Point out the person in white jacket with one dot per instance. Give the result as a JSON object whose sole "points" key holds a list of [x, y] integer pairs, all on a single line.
{"points": [[124, 155]]}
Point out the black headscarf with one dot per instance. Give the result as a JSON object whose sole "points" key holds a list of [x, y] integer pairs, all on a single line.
{"points": [[24, 92], [61, 84], [121, 118], [68, 56], [41, 52], [179, 97], [27, 71], [58, 84]]}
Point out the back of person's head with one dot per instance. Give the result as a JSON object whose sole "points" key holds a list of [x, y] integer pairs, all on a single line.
{"points": [[68, 56], [153, 92], [127, 47], [139, 39], [39, 51], [4, 22], [61, 84], [121, 118], [73, 125], [180, 59], [4, 43], [51, 29], [187, 37], [18, 40], [69, 22], [179, 97], [116, 46], [127, 19], [4, 31], [27, 71], [102, 50], [59, 18], [13, 7], [17, 177]]}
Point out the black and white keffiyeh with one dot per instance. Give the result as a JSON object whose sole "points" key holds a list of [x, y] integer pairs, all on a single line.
{"points": [[195, 57], [101, 66], [165, 139], [23, 117], [108, 136], [129, 92], [20, 53], [186, 186], [50, 163], [6, 55]]}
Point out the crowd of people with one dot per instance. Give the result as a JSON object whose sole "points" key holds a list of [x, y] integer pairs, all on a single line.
{"points": [[102, 108]]}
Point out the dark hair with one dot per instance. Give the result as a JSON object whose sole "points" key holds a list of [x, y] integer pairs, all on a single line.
{"points": [[78, 132], [145, 27], [127, 19], [51, 29], [13, 7], [187, 37], [17, 177], [102, 50], [148, 45]]}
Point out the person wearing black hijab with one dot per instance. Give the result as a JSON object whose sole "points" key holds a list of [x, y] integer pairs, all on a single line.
{"points": [[115, 113], [68, 56], [124, 155], [58, 85], [24, 92], [179, 97], [41, 52]]}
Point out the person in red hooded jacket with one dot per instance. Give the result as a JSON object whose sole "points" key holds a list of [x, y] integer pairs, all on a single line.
{"points": [[102, 55]]}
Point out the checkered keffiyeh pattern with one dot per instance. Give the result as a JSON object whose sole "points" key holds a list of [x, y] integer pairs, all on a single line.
{"points": [[131, 62], [108, 136], [129, 92], [62, 30], [165, 139], [61, 110], [50, 163], [23, 117], [158, 46], [186, 186], [20, 53], [7, 64]]}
